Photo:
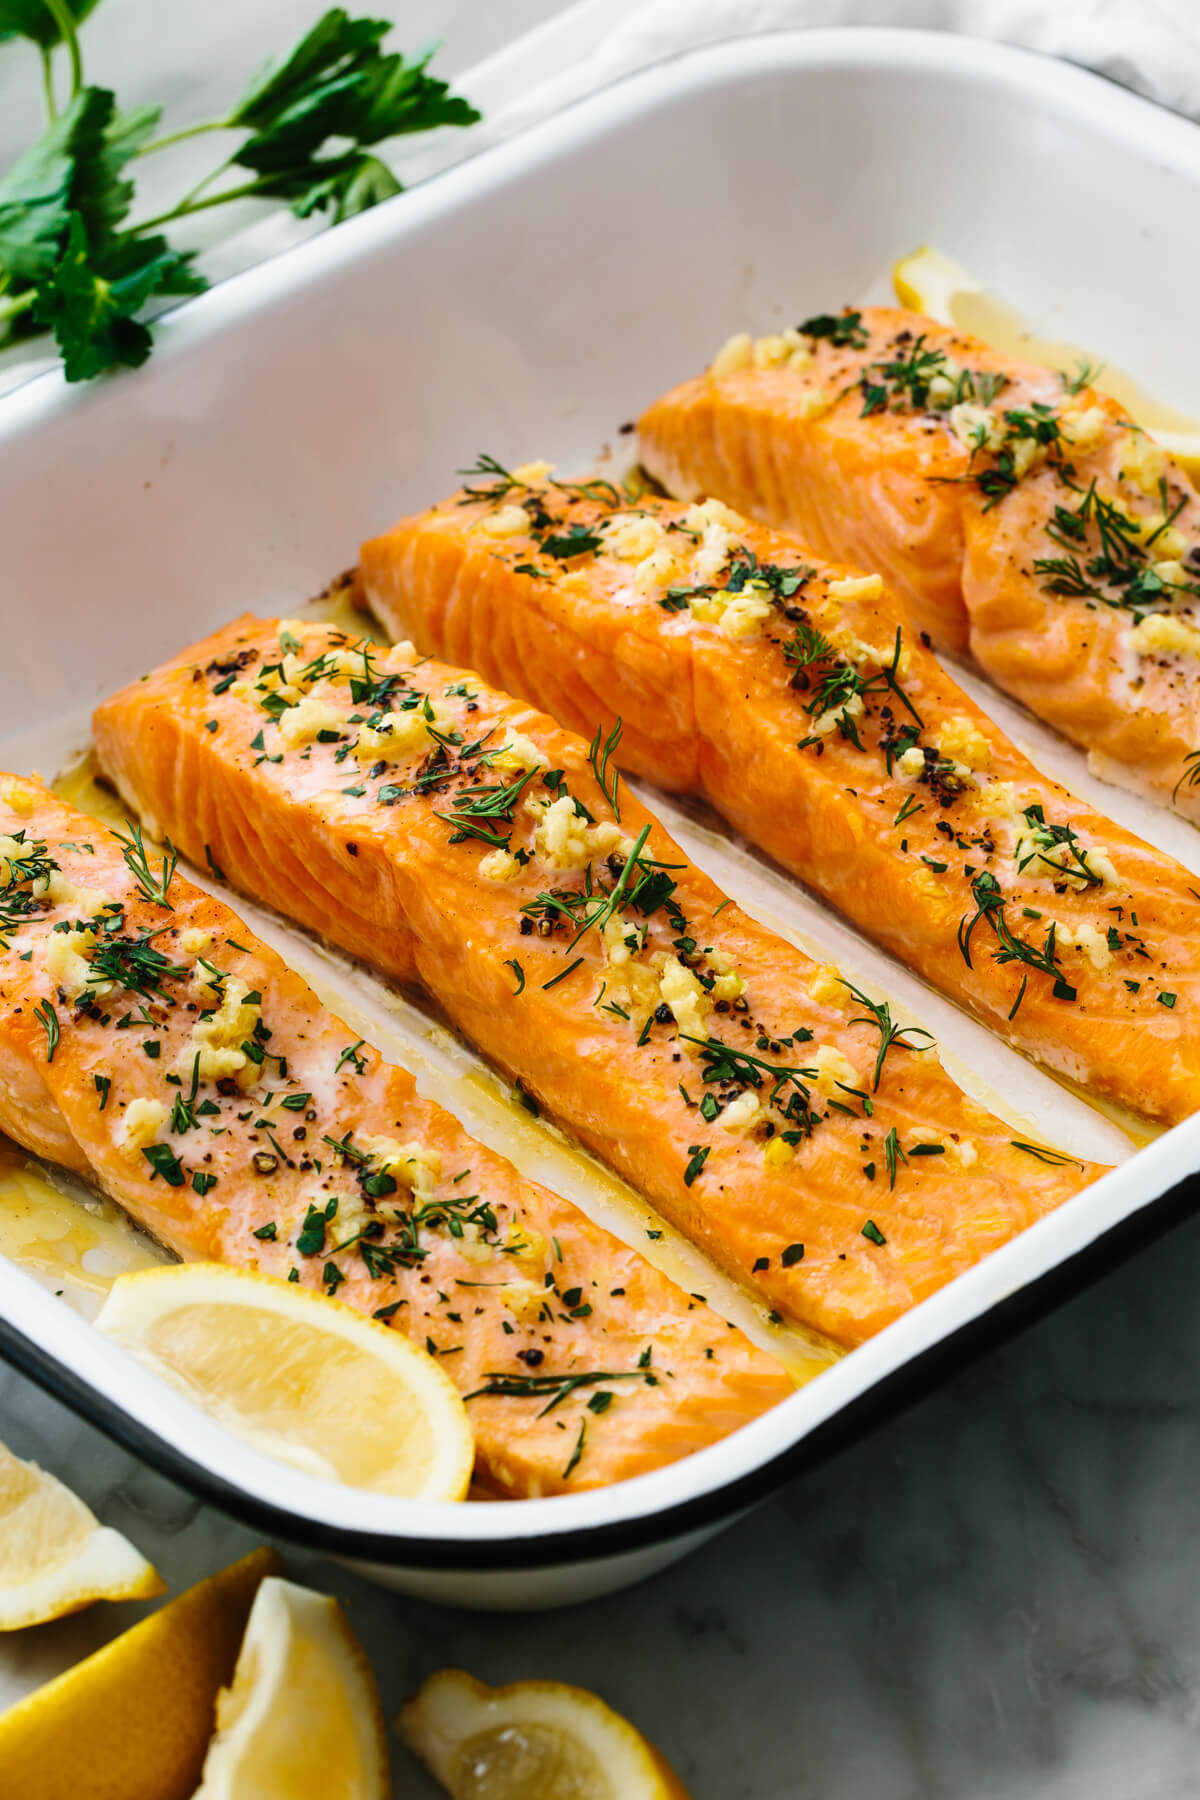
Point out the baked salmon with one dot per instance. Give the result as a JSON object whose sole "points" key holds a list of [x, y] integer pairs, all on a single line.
{"points": [[1015, 511], [452, 836], [159, 1050], [793, 693]]}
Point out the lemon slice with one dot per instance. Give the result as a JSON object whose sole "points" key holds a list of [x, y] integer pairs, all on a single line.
{"points": [[299, 1376], [133, 1722], [533, 1738], [932, 283], [55, 1556], [301, 1717]]}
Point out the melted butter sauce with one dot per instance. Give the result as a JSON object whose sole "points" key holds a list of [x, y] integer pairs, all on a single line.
{"points": [[68, 1239]]}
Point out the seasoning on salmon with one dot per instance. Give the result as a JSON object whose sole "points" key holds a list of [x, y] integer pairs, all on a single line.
{"points": [[1014, 510], [155, 1047], [794, 694], [451, 835]]}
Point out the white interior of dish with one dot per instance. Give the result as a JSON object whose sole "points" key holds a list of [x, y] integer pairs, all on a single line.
{"points": [[529, 304]]}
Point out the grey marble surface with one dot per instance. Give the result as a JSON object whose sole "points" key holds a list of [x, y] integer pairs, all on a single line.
{"points": [[995, 1597]]}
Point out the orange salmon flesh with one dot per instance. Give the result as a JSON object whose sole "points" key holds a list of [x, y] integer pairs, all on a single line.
{"points": [[155, 1047], [451, 836], [794, 694], [1015, 512]]}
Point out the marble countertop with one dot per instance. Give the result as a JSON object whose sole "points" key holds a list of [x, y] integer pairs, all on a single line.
{"points": [[994, 1597]]}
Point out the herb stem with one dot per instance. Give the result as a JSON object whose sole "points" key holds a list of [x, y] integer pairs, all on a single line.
{"points": [[17, 304], [188, 206], [170, 138], [48, 82], [61, 15]]}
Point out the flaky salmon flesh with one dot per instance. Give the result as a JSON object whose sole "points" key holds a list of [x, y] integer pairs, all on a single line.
{"points": [[1015, 512], [155, 1047], [454, 837], [794, 694]]}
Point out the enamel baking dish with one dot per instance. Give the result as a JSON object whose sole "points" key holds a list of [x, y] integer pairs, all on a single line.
{"points": [[529, 303]]}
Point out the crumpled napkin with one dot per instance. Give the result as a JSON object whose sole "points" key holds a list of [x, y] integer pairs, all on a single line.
{"points": [[1152, 46]]}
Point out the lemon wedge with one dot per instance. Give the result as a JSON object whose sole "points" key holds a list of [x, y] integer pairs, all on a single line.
{"points": [[930, 282], [133, 1721], [299, 1376], [301, 1718], [535, 1737], [55, 1556]]}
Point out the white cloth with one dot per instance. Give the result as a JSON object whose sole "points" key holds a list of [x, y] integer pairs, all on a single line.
{"points": [[1152, 46]]}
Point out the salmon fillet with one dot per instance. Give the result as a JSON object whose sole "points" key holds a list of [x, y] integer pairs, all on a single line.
{"points": [[1014, 510], [452, 836], [796, 697], [158, 1049]]}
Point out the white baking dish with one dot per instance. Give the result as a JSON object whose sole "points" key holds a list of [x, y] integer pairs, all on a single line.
{"points": [[529, 303]]}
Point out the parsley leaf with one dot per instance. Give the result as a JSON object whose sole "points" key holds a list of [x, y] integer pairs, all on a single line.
{"points": [[68, 259]]}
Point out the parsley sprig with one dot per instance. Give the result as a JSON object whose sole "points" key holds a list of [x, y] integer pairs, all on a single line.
{"points": [[309, 125]]}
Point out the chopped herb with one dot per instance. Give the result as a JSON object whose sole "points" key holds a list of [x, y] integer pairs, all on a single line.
{"points": [[151, 887], [557, 1387], [879, 1014], [893, 1155], [1042, 1153], [164, 1162], [577, 1452], [600, 756], [698, 1154], [512, 963], [872, 1232], [792, 1255], [563, 973], [844, 329], [47, 1018]]}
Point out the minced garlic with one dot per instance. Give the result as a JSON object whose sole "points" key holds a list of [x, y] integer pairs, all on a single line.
{"points": [[631, 537], [516, 755], [499, 865], [411, 1165], [1093, 943], [735, 353], [66, 967], [1084, 428], [567, 841], [782, 349], [976, 427], [856, 587], [302, 723], [827, 987], [1142, 461], [506, 521], [20, 799], [141, 1123], [1163, 634], [683, 993], [743, 1113], [778, 1153], [399, 735], [218, 1039], [832, 1069], [961, 740]]}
